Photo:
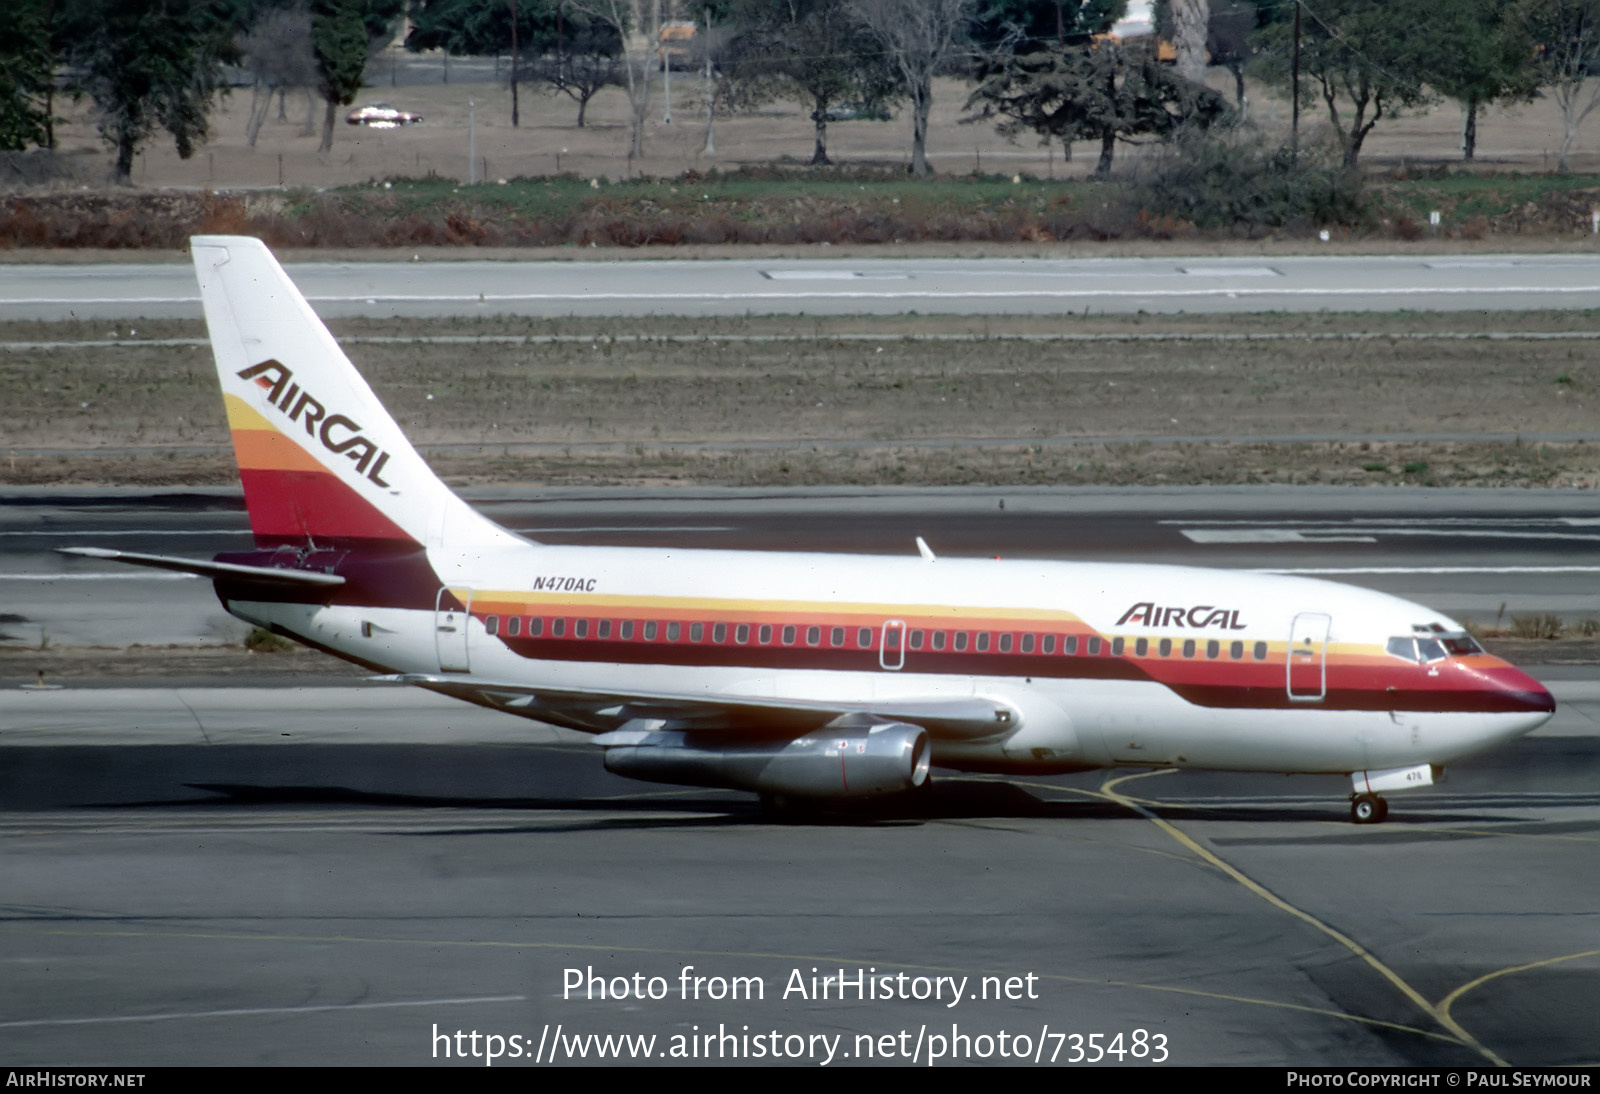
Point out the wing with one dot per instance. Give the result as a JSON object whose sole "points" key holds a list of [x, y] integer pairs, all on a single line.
{"points": [[600, 711]]}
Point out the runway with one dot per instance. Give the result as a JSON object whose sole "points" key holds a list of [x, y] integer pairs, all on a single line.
{"points": [[826, 286], [1477, 555], [342, 874], [345, 896]]}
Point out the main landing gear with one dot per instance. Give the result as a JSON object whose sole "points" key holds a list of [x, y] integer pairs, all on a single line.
{"points": [[1368, 809]]}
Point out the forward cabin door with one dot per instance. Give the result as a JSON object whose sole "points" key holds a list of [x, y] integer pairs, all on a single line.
{"points": [[1308, 657], [450, 631]]}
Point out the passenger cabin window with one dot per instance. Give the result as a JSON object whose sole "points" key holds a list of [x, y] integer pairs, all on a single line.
{"points": [[603, 629], [1094, 647], [1165, 649], [1117, 645], [741, 633], [673, 631], [813, 636], [938, 640], [961, 641], [580, 628], [836, 637], [788, 635], [864, 638], [1213, 648], [558, 627], [983, 642], [492, 624], [1236, 651], [1049, 644], [719, 632], [650, 631], [1261, 651], [1188, 647], [1069, 645], [1027, 643], [1141, 646], [764, 635]]}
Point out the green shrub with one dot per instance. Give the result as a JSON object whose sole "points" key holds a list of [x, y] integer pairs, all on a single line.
{"points": [[1243, 185]]}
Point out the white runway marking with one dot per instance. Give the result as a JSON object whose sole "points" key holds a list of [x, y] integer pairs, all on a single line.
{"points": [[1270, 535], [1361, 534], [860, 294], [1229, 271], [1427, 570], [137, 532], [130, 576]]}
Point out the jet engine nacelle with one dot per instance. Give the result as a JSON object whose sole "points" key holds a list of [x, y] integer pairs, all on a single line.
{"points": [[846, 760]]}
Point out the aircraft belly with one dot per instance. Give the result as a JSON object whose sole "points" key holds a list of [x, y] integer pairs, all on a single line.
{"points": [[1135, 723]]}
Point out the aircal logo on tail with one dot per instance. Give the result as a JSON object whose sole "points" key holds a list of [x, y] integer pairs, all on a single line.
{"points": [[1204, 615], [338, 434]]}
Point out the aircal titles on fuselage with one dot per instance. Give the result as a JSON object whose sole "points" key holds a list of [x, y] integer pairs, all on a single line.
{"points": [[287, 396], [1197, 618]]}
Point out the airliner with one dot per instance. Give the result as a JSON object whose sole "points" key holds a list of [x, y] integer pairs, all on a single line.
{"points": [[806, 678]]}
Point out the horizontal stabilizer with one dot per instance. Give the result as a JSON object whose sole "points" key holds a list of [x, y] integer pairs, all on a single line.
{"points": [[270, 575]]}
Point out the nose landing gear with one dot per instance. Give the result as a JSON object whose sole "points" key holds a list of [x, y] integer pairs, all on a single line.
{"points": [[1368, 809], [1366, 806]]}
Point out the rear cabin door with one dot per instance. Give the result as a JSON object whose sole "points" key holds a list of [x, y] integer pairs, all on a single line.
{"points": [[450, 631], [1308, 657]]}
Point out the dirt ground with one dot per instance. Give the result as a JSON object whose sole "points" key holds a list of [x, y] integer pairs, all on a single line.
{"points": [[477, 116], [1418, 399]]}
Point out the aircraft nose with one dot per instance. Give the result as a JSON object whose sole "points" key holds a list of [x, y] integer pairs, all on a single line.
{"points": [[1522, 692]]}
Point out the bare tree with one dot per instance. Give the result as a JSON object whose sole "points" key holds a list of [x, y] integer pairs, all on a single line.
{"points": [[277, 52], [919, 36], [1567, 34], [577, 55], [638, 53]]}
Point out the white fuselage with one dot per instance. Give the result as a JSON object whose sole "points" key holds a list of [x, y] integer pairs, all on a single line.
{"points": [[1167, 665]]}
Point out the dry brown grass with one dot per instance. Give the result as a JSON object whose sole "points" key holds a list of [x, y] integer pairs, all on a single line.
{"points": [[904, 400]]}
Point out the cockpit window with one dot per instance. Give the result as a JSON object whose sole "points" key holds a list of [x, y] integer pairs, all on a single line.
{"points": [[1425, 650], [1403, 648], [1429, 649]]}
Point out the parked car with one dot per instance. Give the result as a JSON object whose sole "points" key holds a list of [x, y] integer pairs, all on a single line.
{"points": [[381, 116], [853, 112]]}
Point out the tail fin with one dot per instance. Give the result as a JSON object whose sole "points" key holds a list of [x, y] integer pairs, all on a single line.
{"points": [[320, 457]]}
